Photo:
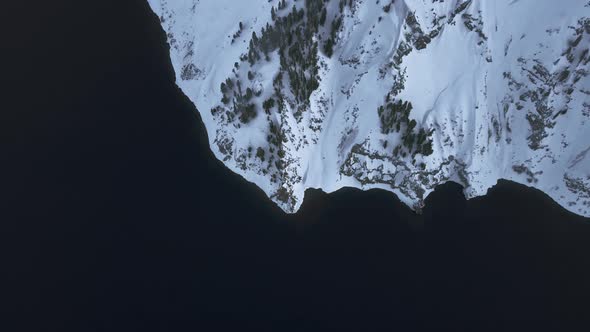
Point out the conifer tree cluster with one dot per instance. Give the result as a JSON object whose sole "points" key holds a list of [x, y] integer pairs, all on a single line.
{"points": [[295, 35], [395, 117]]}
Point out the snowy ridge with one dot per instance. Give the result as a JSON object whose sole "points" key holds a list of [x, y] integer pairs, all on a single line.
{"points": [[402, 95]]}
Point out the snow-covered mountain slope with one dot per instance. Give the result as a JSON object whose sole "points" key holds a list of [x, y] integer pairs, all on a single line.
{"points": [[401, 95]]}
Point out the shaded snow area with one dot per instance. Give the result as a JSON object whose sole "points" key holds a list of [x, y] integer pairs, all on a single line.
{"points": [[400, 95]]}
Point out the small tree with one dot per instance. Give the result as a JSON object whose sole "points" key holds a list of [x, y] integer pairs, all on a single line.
{"points": [[323, 17], [260, 153], [329, 47]]}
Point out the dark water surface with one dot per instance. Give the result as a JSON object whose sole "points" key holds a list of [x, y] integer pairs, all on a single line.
{"points": [[117, 217]]}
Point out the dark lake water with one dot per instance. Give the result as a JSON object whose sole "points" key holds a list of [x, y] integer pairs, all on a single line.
{"points": [[117, 217]]}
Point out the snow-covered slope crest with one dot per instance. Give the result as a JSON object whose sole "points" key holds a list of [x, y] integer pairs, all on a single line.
{"points": [[401, 95]]}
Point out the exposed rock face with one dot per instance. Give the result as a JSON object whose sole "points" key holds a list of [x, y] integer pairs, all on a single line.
{"points": [[401, 95]]}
